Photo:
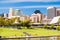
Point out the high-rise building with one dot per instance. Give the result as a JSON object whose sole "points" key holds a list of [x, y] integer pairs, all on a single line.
{"points": [[15, 13], [18, 13], [11, 12], [51, 12], [57, 12]]}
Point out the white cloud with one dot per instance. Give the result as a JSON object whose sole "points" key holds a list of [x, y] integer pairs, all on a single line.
{"points": [[34, 7], [24, 7], [7, 1], [38, 6], [30, 7]]}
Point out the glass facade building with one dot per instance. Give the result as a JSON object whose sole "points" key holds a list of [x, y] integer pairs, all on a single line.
{"points": [[18, 13]]}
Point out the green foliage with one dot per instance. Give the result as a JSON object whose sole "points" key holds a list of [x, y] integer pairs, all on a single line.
{"points": [[9, 22], [59, 21], [8, 32], [45, 26], [26, 23], [52, 26], [6, 22], [18, 19], [58, 28], [1, 21], [19, 27]]}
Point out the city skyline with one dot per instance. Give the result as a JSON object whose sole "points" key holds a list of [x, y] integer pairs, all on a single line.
{"points": [[28, 6]]}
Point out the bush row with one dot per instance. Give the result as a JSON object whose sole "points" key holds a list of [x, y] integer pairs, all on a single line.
{"points": [[51, 27]]}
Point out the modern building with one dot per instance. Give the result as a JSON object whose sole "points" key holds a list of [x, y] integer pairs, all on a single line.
{"points": [[46, 21], [15, 13], [22, 18], [51, 12], [11, 13], [43, 16], [18, 13], [58, 12], [55, 20], [36, 17]]}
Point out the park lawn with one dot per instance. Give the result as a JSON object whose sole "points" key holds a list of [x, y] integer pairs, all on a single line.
{"points": [[44, 32], [6, 32]]}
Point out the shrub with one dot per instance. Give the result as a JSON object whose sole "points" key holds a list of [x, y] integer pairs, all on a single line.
{"points": [[28, 24], [52, 26], [58, 28], [45, 26], [19, 27]]}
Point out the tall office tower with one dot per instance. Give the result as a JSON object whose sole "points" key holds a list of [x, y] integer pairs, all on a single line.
{"points": [[18, 13], [11, 12], [51, 12], [57, 12]]}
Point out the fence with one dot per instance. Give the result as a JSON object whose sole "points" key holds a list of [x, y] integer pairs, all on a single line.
{"points": [[33, 38]]}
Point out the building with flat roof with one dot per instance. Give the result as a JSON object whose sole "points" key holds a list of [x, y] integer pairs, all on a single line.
{"points": [[58, 12], [11, 13], [18, 12], [51, 12], [15, 13]]}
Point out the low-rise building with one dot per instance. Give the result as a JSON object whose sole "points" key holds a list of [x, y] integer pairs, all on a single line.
{"points": [[36, 17]]}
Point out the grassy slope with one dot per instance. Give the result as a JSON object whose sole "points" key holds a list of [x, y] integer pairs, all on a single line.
{"points": [[34, 32]]}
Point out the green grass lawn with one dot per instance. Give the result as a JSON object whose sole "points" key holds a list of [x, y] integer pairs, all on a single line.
{"points": [[6, 32]]}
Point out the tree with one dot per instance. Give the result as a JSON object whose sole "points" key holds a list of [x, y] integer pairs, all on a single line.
{"points": [[9, 22], [26, 23], [18, 19], [59, 21], [58, 28], [1, 21], [45, 26], [19, 25], [52, 26]]}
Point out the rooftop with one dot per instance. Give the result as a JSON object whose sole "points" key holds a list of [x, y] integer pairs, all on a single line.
{"points": [[58, 9], [50, 7]]}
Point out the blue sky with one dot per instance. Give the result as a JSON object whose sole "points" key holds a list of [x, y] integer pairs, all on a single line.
{"points": [[28, 6]]}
